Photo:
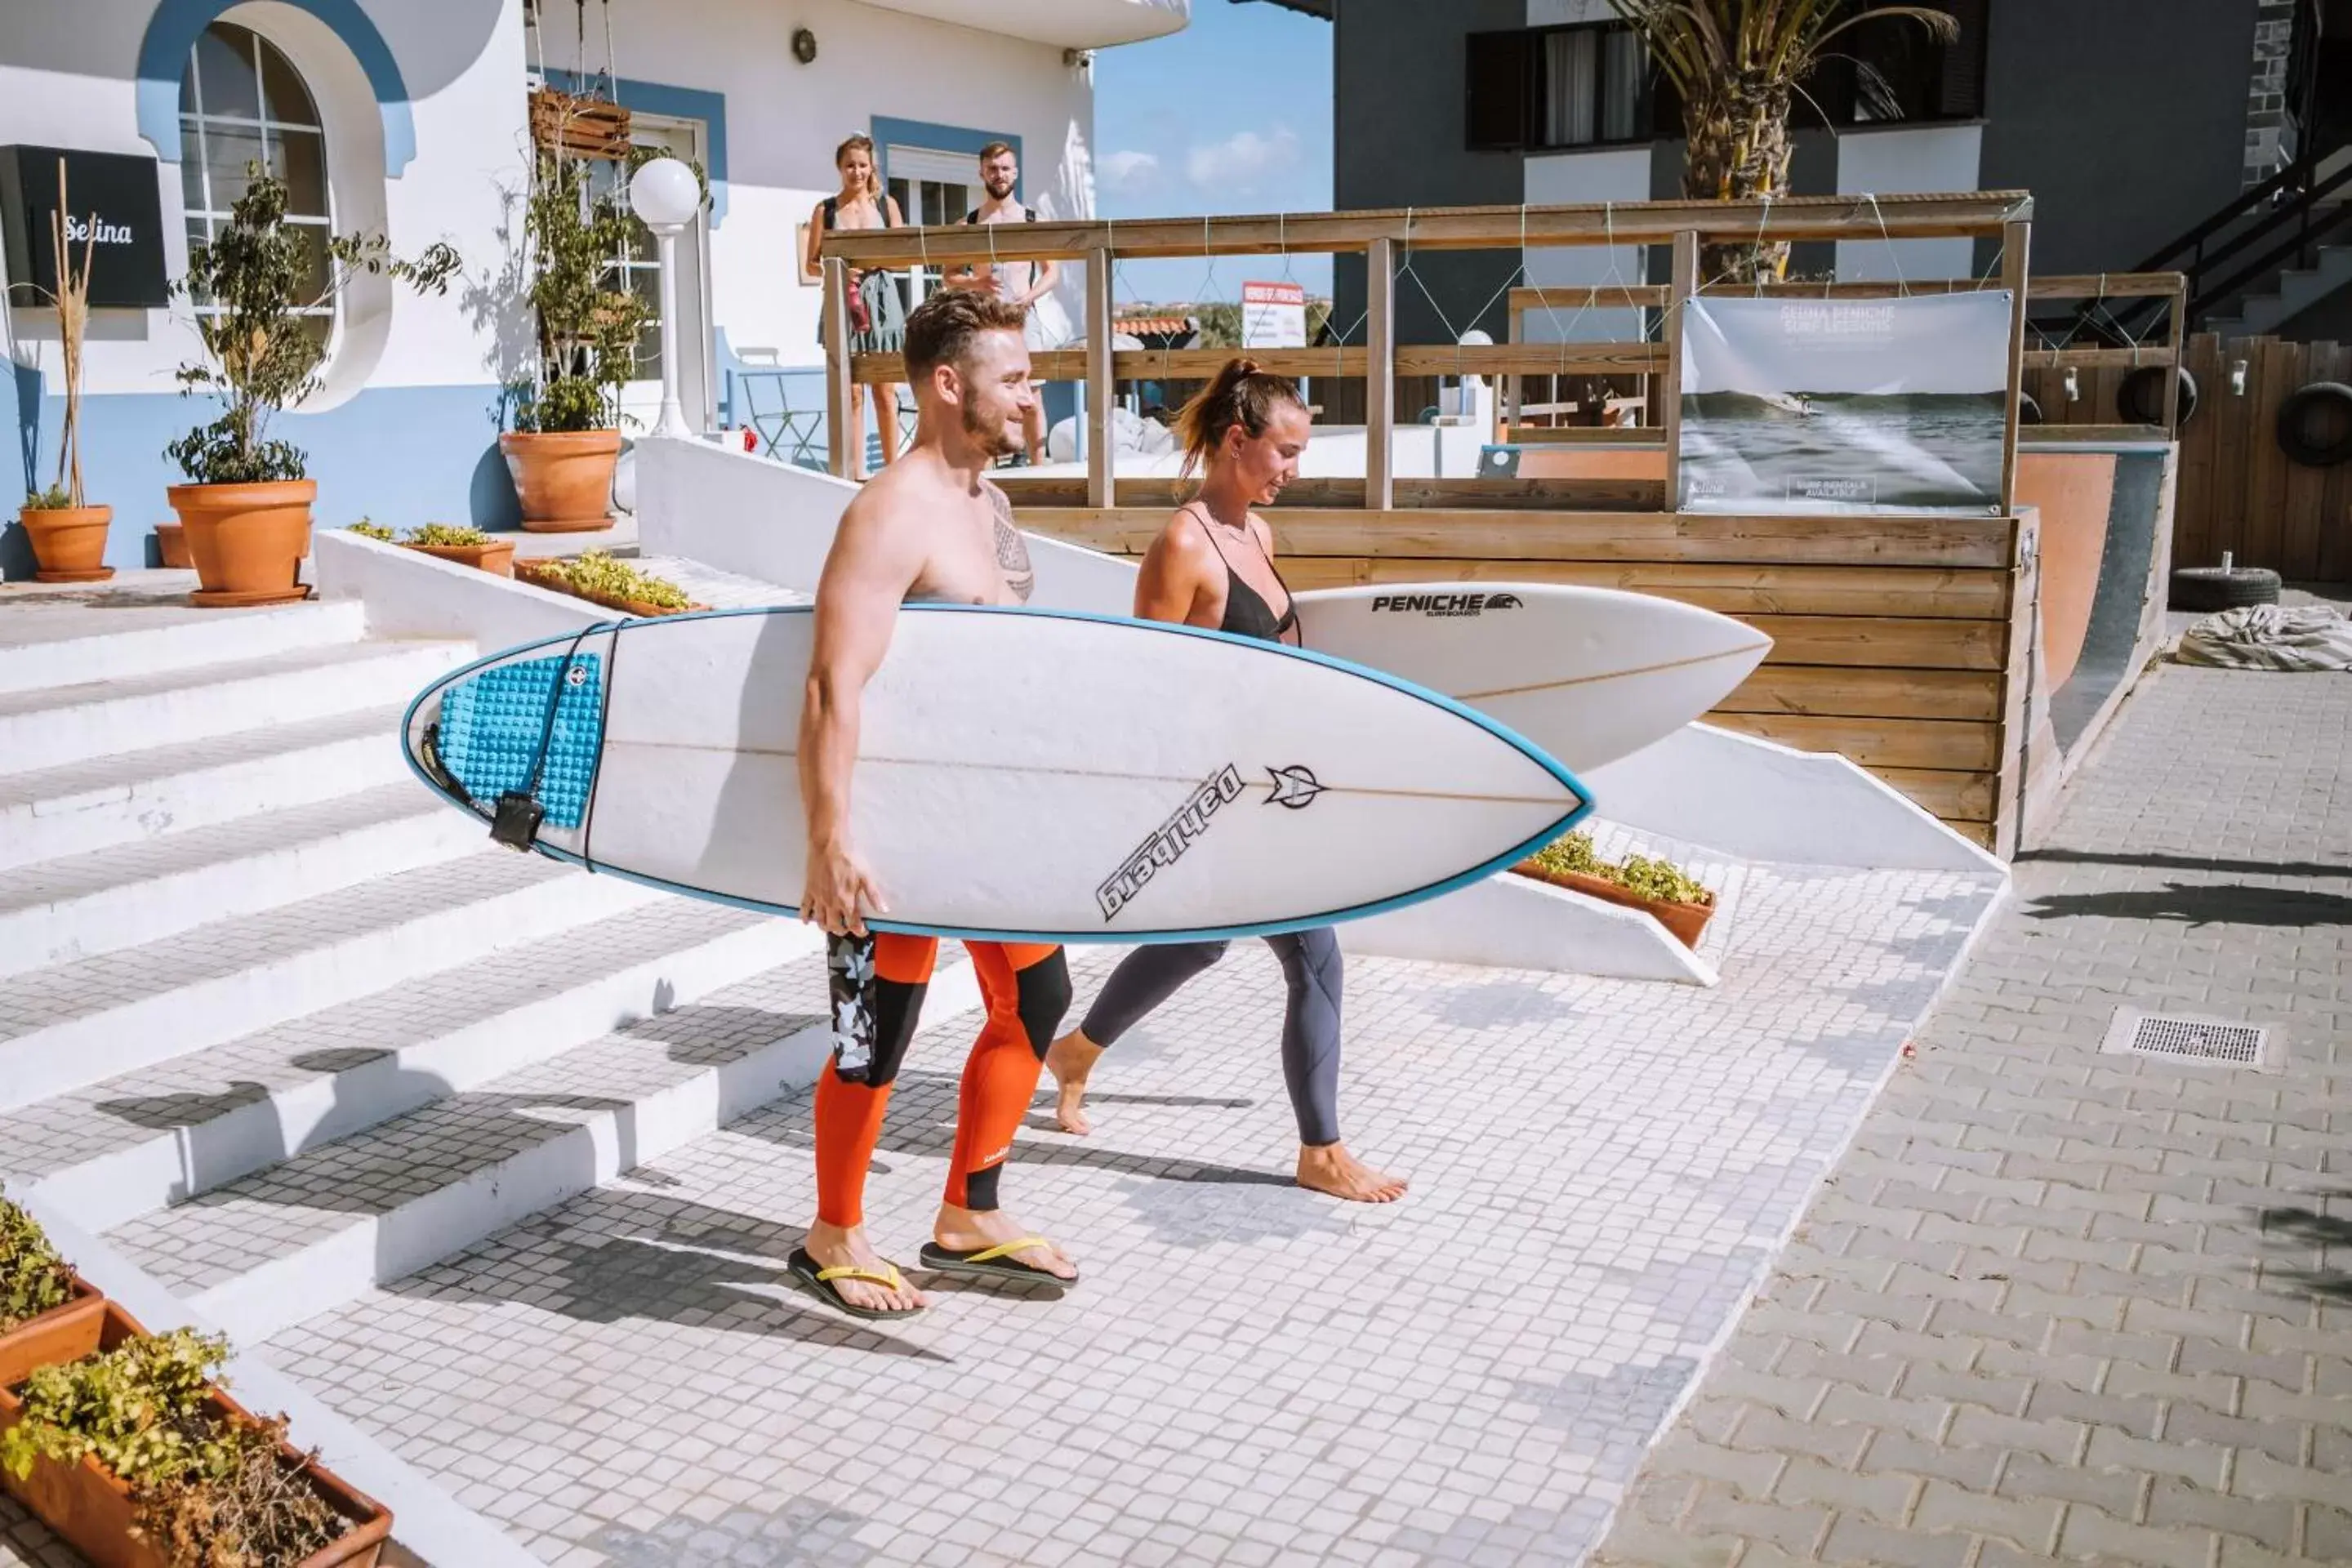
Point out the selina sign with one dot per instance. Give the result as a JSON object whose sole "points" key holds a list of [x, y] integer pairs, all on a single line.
{"points": [[116, 212]]}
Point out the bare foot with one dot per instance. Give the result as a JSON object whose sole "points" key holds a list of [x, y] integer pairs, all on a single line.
{"points": [[1330, 1168], [970, 1230], [1070, 1059], [835, 1246]]}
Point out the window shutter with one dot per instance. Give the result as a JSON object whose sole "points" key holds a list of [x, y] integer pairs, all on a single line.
{"points": [[1498, 76], [1960, 93]]}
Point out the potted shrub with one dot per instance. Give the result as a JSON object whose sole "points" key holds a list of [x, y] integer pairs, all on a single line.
{"points": [[137, 1457], [68, 534], [466, 546], [567, 438], [48, 1313], [247, 507], [598, 578], [1664, 892]]}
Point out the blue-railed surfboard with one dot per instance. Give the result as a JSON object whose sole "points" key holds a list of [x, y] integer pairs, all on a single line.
{"points": [[1021, 773]]}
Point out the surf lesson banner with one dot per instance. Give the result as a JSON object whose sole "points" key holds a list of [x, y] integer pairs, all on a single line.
{"points": [[1810, 406]]}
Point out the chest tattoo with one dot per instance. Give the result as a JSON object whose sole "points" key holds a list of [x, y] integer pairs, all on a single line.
{"points": [[1012, 550]]}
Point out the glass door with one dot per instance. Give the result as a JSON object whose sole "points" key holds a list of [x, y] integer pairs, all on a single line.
{"points": [[639, 268]]}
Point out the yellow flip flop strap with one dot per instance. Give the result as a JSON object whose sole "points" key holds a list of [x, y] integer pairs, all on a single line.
{"points": [[890, 1281], [1006, 1249]]}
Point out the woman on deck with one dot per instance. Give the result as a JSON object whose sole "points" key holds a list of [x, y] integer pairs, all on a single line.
{"points": [[877, 316], [1213, 566]]}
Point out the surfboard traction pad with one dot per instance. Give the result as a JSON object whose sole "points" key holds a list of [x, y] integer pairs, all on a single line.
{"points": [[490, 729]]}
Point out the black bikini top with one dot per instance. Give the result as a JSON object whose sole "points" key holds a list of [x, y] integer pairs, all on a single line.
{"points": [[1247, 613]]}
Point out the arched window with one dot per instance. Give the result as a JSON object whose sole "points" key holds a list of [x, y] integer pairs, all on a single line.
{"points": [[240, 103]]}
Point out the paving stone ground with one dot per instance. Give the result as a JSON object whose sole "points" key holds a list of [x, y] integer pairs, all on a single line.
{"points": [[1600, 1169], [2058, 1305], [2052, 1306]]}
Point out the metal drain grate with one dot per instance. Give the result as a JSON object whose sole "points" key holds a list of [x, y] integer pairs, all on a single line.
{"points": [[2170, 1037]]}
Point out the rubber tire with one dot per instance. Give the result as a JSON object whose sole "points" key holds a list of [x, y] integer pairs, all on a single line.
{"points": [[2206, 588], [2029, 412], [2140, 396], [2301, 450]]}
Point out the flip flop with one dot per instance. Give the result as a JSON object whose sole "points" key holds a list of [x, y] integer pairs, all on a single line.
{"points": [[994, 1262], [820, 1280]]}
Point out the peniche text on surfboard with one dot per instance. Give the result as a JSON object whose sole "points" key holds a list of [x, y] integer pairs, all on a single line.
{"points": [[1168, 841]]}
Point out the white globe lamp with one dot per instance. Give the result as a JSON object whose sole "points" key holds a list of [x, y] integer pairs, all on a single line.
{"points": [[665, 195]]}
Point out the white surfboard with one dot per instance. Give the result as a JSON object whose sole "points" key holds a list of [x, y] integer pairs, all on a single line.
{"points": [[1589, 675], [1022, 774]]}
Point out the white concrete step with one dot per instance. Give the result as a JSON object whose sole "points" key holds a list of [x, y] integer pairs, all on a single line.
{"points": [[87, 806], [77, 645], [96, 1018], [56, 725], [315, 1233], [111, 1151], [55, 911]]}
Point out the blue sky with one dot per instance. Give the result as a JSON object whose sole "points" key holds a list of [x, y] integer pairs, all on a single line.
{"points": [[1231, 115]]}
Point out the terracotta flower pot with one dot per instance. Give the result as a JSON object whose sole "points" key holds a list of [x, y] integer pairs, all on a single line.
{"points": [[247, 541], [497, 557], [89, 1507], [69, 543], [562, 478], [171, 545], [539, 575], [62, 1333], [1684, 921]]}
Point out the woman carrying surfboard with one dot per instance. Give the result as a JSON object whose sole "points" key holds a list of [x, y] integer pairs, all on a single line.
{"points": [[1213, 566]]}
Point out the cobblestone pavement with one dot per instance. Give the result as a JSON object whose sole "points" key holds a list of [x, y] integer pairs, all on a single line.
{"points": [[1600, 1171], [2063, 1305]]}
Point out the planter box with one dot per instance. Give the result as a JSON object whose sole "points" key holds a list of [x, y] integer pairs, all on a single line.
{"points": [[62, 1333], [539, 576], [91, 1509], [497, 557], [1685, 921]]}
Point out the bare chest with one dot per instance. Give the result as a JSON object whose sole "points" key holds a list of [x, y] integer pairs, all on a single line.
{"points": [[979, 558]]}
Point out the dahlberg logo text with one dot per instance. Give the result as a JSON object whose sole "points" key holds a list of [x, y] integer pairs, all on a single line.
{"points": [[1170, 839]]}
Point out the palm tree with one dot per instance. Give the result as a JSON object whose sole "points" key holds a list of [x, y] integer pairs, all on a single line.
{"points": [[1738, 66]]}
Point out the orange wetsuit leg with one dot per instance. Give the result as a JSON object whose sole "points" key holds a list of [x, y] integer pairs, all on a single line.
{"points": [[876, 986], [1027, 989]]}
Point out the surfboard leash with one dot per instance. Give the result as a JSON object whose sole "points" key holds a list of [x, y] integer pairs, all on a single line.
{"points": [[515, 820]]}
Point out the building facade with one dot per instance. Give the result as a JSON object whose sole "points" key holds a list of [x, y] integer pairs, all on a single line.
{"points": [[2130, 120], [410, 118]]}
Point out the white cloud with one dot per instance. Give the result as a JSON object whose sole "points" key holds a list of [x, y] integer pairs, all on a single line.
{"points": [[1238, 162], [1127, 171]]}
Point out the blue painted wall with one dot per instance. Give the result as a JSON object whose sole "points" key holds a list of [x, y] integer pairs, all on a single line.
{"points": [[400, 455]]}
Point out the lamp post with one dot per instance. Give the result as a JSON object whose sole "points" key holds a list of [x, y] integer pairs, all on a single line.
{"points": [[665, 195]]}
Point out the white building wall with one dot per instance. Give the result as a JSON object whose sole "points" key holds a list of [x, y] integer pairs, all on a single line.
{"points": [[75, 86], [1901, 162], [1612, 174]]}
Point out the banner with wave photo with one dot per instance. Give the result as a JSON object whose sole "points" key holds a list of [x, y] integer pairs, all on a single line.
{"points": [[1827, 406]]}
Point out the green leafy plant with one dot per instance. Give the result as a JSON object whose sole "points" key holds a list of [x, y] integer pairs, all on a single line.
{"points": [[33, 1278], [1637, 874], [57, 498], [1738, 66], [445, 535], [588, 327], [134, 1408], [597, 573], [367, 529], [258, 286], [207, 1492]]}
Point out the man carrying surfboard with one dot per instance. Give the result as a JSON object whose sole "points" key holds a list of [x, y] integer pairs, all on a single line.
{"points": [[929, 528]]}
